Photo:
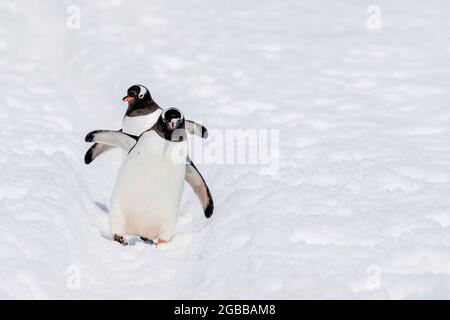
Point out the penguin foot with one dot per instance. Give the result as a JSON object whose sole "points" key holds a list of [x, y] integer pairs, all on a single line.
{"points": [[160, 242], [120, 239], [147, 240]]}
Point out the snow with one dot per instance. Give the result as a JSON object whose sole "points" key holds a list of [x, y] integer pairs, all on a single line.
{"points": [[360, 207]]}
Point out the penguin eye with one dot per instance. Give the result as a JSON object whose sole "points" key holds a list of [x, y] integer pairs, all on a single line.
{"points": [[141, 95]]}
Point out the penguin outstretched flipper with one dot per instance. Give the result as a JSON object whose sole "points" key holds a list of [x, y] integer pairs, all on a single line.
{"points": [[201, 190], [196, 128], [97, 149], [94, 151], [112, 139]]}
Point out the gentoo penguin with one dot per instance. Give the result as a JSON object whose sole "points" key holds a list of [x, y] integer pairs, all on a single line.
{"points": [[147, 193], [142, 113]]}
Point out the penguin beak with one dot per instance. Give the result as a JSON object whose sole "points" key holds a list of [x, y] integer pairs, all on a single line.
{"points": [[127, 99], [172, 125]]}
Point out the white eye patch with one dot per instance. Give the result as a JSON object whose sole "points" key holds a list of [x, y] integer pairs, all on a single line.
{"points": [[178, 116], [142, 92]]}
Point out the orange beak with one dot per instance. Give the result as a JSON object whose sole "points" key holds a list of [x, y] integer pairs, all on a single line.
{"points": [[127, 99]]}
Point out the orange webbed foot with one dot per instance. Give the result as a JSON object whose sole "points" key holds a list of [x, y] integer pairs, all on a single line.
{"points": [[160, 242]]}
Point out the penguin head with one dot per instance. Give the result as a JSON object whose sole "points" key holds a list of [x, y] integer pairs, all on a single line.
{"points": [[172, 119], [137, 94]]}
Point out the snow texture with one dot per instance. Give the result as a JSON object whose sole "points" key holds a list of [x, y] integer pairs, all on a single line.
{"points": [[360, 207]]}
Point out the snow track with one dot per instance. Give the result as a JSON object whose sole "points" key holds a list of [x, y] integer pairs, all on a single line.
{"points": [[360, 207]]}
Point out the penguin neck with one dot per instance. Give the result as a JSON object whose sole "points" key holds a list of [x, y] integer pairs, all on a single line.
{"points": [[142, 108]]}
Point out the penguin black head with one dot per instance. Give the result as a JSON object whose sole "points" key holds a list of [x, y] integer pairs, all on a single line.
{"points": [[137, 94], [140, 102], [172, 119], [170, 125]]}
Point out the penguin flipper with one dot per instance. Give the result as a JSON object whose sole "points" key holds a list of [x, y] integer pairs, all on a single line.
{"points": [[196, 129], [198, 185], [112, 138], [94, 151]]}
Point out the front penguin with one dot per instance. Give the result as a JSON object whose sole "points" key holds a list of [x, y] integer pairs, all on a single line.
{"points": [[147, 194]]}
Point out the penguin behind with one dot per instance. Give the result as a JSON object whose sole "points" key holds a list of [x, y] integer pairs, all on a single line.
{"points": [[141, 114]]}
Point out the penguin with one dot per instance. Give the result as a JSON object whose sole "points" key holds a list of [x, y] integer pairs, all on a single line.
{"points": [[147, 193], [142, 113]]}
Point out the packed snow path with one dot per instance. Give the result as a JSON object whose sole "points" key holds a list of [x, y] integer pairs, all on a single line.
{"points": [[360, 207]]}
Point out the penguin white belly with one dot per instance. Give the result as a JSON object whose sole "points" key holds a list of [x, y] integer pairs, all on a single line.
{"points": [[137, 125], [148, 190]]}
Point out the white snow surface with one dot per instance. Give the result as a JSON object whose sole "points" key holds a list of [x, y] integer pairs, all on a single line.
{"points": [[364, 177]]}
